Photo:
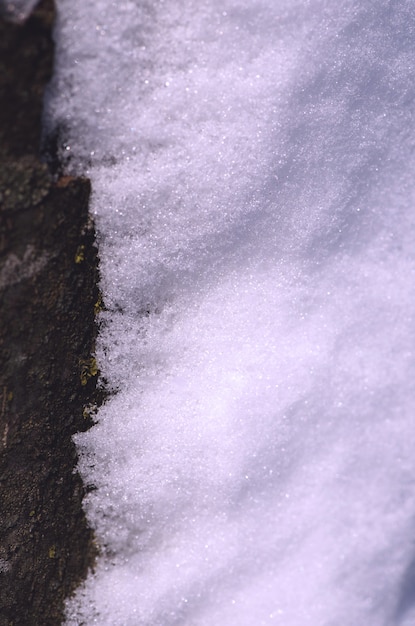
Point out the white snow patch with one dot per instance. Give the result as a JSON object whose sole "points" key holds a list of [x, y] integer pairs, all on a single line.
{"points": [[253, 174]]}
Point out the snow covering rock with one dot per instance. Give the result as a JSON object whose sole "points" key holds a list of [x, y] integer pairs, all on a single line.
{"points": [[252, 166]]}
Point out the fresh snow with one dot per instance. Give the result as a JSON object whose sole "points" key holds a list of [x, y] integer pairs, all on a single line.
{"points": [[253, 168]]}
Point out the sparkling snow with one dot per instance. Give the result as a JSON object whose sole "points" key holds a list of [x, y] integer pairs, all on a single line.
{"points": [[253, 167]]}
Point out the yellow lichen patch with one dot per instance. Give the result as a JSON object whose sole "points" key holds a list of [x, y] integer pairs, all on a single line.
{"points": [[89, 368], [80, 254], [89, 411], [99, 305], [52, 552]]}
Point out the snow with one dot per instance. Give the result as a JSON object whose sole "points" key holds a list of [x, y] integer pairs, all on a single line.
{"points": [[252, 165]]}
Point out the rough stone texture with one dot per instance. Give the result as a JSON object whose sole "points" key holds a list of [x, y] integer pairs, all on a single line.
{"points": [[26, 62], [48, 291]]}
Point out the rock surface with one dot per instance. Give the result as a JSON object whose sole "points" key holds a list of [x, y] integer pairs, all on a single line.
{"points": [[48, 291]]}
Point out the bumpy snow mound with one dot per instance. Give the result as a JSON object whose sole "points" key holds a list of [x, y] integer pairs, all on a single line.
{"points": [[252, 165]]}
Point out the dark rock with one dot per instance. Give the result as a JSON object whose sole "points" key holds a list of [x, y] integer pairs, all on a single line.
{"points": [[48, 290], [26, 63]]}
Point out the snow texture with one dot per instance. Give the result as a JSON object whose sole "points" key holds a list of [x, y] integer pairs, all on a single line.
{"points": [[253, 165]]}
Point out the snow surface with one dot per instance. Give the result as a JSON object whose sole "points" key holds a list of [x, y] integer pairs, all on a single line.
{"points": [[253, 171]]}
